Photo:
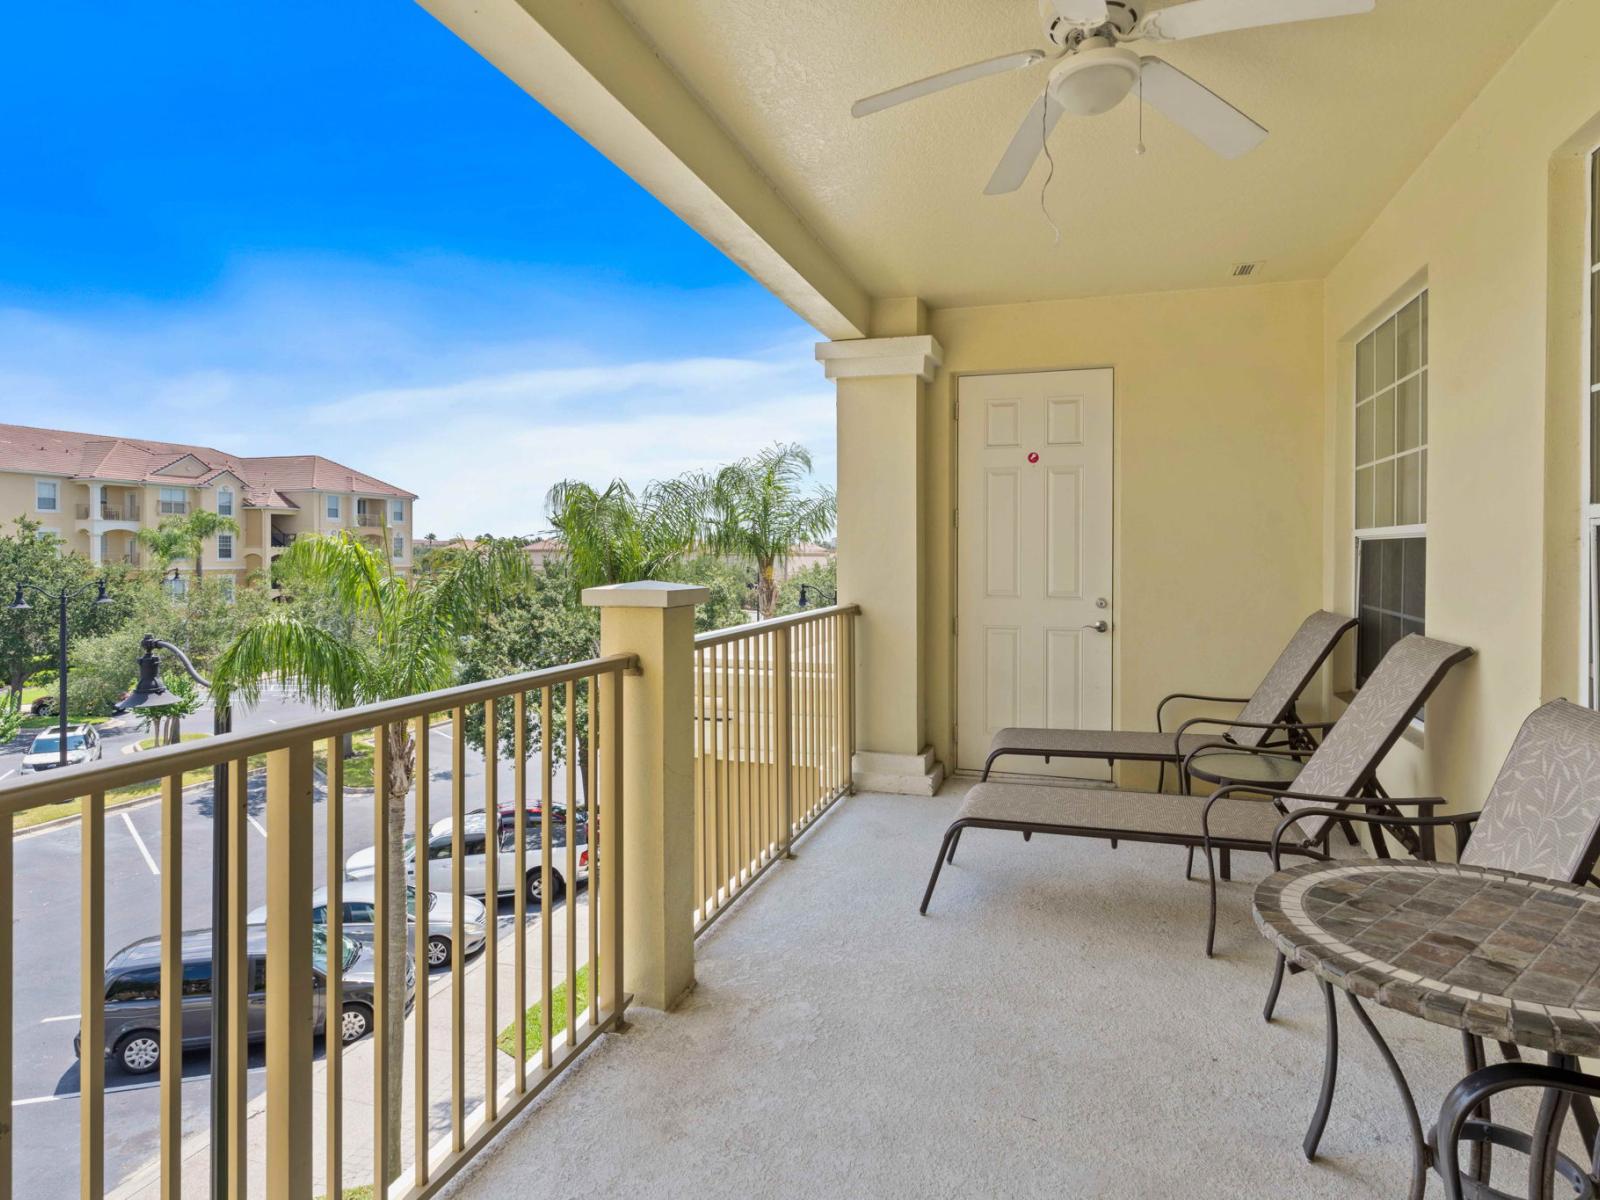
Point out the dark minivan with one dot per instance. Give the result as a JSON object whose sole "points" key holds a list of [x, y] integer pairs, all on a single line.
{"points": [[133, 994]]}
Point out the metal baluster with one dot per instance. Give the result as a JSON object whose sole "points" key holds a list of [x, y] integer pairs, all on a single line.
{"points": [[423, 884], [519, 906], [92, 997], [589, 839], [458, 960], [333, 1021], [546, 799], [491, 897], [572, 863], [171, 1004]]}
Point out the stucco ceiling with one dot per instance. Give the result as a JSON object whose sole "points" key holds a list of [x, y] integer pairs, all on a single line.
{"points": [[1353, 105]]}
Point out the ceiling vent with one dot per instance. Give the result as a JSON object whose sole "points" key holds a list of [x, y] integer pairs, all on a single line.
{"points": [[1245, 270]]}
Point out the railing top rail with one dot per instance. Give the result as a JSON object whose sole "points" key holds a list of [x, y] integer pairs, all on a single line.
{"points": [[69, 783], [754, 628]]}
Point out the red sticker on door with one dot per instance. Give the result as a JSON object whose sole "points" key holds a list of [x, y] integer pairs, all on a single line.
{"points": [[1033, 456]]}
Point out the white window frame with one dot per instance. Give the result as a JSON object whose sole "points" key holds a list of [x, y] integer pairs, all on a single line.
{"points": [[399, 545], [1383, 532], [397, 512], [168, 496], [1589, 530], [224, 539], [55, 498], [333, 508], [228, 588], [225, 502]]}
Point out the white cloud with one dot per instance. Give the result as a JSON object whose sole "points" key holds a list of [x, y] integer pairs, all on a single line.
{"points": [[438, 389]]}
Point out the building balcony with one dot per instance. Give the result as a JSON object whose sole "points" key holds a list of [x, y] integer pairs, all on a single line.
{"points": [[369, 520], [126, 511]]}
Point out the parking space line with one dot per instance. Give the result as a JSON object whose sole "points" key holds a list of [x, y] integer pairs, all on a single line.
{"points": [[9, 773], [139, 842], [52, 1020], [256, 824]]}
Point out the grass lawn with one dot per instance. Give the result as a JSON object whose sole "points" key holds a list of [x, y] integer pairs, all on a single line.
{"points": [[362, 1191], [533, 1019], [52, 722]]}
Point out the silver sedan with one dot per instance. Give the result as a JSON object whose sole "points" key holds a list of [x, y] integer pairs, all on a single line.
{"points": [[358, 898]]}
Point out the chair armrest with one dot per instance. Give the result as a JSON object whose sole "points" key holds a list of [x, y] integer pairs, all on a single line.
{"points": [[1228, 721], [1370, 818], [1465, 1098], [1241, 700], [1262, 792]]}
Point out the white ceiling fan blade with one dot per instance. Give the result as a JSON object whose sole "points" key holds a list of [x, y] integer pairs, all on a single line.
{"points": [[1025, 147], [946, 79], [1198, 109], [1081, 12], [1200, 18]]}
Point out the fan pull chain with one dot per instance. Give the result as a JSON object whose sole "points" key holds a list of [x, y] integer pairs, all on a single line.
{"points": [[1044, 142], [1139, 149]]}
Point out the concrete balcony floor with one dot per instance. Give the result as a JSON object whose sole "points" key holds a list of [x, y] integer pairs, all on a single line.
{"points": [[1052, 1028]]}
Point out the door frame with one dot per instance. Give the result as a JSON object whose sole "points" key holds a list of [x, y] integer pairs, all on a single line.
{"points": [[954, 699]]}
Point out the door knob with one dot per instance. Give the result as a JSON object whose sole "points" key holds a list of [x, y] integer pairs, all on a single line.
{"points": [[1098, 627]]}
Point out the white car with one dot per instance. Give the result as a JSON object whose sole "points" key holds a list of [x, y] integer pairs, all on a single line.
{"points": [[359, 919], [474, 860], [83, 745]]}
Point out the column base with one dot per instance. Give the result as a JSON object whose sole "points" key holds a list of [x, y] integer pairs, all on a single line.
{"points": [[897, 774]]}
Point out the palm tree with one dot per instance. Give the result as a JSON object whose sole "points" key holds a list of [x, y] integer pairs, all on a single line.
{"points": [[756, 509], [364, 634], [613, 536], [185, 537]]}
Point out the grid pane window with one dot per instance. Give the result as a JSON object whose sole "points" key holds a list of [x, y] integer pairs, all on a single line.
{"points": [[224, 545], [1391, 482], [1392, 420], [44, 494]]}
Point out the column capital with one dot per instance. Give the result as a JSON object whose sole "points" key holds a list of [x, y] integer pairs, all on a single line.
{"points": [[862, 358], [645, 594]]}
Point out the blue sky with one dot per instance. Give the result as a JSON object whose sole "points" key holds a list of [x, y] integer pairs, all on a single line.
{"points": [[334, 228]]}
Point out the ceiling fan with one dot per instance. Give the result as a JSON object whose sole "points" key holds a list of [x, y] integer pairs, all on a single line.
{"points": [[1094, 71]]}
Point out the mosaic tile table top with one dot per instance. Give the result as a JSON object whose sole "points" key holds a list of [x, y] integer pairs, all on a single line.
{"points": [[1510, 957]]}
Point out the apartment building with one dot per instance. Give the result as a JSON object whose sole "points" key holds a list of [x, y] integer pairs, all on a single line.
{"points": [[96, 491]]}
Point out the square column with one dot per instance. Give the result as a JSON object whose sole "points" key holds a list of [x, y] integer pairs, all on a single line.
{"points": [[882, 385], [655, 621]]}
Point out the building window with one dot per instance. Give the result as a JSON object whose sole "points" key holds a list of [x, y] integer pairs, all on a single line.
{"points": [[333, 508], [399, 546], [1591, 508], [225, 546], [176, 585], [174, 501], [47, 495], [1391, 482], [397, 512], [225, 502], [227, 588]]}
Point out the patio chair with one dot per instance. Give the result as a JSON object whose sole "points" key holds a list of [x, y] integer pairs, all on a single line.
{"points": [[1270, 708], [1541, 817], [1239, 816]]}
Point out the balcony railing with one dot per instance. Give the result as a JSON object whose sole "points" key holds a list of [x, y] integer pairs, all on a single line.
{"points": [[281, 539], [288, 757], [110, 512], [774, 715], [369, 520]]}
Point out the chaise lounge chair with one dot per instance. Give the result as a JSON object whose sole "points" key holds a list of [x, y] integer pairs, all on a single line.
{"points": [[1239, 816], [1541, 818], [1271, 708]]}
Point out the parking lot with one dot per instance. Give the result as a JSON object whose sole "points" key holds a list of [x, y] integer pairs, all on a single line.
{"points": [[47, 929]]}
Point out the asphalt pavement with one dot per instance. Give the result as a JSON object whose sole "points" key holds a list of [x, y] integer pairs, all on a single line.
{"points": [[47, 929]]}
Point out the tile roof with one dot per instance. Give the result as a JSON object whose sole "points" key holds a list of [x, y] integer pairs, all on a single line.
{"points": [[91, 456]]}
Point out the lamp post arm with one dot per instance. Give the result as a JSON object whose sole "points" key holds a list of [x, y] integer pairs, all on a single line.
{"points": [[152, 643]]}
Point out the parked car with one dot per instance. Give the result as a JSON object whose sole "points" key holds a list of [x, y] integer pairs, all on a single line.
{"points": [[133, 995], [44, 753], [475, 861], [357, 899]]}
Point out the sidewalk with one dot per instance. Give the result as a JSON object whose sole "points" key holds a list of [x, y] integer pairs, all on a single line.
{"points": [[358, 1109]]}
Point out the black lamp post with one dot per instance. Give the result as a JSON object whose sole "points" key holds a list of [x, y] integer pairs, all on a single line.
{"points": [[20, 604], [150, 692]]}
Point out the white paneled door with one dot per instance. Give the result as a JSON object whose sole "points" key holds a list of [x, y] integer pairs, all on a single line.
{"points": [[1034, 565]]}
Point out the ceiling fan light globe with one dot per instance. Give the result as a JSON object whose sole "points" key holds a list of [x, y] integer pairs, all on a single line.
{"points": [[1095, 81]]}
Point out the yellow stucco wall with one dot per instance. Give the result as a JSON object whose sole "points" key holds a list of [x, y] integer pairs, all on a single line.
{"points": [[1216, 564], [1492, 221]]}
